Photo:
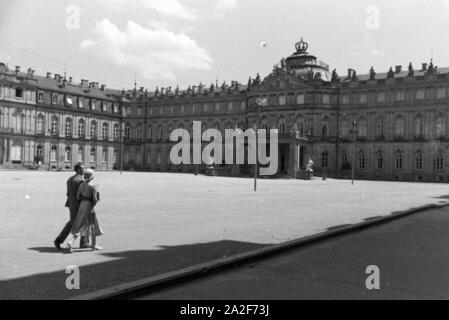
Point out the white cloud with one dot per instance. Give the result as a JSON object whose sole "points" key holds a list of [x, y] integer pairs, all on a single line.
{"points": [[156, 52]]}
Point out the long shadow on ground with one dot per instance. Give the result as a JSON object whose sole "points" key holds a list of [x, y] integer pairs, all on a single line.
{"points": [[128, 266]]}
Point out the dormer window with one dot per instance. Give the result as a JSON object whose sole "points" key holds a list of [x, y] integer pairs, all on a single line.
{"points": [[81, 103], [104, 106], [69, 102], [19, 93], [93, 104], [40, 97], [54, 99], [116, 108]]}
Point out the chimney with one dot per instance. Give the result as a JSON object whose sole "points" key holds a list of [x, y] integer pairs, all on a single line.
{"points": [[398, 69], [142, 89], [349, 73], [48, 75], [84, 83], [424, 67], [70, 79], [17, 69], [58, 77], [32, 73], [103, 87]]}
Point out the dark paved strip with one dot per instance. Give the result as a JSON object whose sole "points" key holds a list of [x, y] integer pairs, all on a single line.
{"points": [[412, 254]]}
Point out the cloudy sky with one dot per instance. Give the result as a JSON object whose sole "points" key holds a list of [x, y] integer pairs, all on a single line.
{"points": [[170, 42]]}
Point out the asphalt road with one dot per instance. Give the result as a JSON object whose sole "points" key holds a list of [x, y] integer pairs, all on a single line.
{"points": [[412, 255]]}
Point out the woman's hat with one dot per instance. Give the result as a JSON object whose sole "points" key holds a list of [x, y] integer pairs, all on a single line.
{"points": [[89, 174]]}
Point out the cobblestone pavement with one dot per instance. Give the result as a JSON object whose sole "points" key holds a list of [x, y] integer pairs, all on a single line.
{"points": [[156, 223]]}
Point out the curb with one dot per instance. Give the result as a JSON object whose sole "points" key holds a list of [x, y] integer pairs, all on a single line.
{"points": [[146, 285]]}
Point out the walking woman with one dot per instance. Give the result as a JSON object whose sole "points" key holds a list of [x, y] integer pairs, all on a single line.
{"points": [[86, 223]]}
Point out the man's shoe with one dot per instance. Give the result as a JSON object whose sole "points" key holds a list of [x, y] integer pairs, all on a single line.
{"points": [[97, 248], [57, 244]]}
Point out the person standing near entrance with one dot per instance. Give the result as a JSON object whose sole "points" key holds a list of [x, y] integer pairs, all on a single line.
{"points": [[73, 184]]}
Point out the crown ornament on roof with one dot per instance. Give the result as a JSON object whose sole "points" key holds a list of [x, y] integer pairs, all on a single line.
{"points": [[301, 46]]}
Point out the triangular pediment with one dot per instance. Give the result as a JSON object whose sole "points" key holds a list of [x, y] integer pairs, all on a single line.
{"points": [[281, 81]]}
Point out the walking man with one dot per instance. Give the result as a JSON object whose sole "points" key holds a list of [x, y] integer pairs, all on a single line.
{"points": [[73, 204]]}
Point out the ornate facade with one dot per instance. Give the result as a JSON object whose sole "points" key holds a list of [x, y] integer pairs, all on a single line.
{"points": [[390, 126]]}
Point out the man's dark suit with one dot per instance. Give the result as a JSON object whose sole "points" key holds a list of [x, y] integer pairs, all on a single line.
{"points": [[73, 204]]}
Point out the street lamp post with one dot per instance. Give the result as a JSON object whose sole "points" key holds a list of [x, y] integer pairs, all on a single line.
{"points": [[259, 103], [354, 133]]}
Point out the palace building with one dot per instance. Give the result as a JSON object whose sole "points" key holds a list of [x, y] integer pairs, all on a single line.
{"points": [[390, 125]]}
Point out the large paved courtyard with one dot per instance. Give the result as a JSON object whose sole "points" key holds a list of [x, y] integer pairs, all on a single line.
{"points": [[156, 223]]}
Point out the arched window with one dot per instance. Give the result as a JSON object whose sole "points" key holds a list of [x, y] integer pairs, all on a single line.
{"points": [[16, 153], [419, 127], [399, 162], [439, 162], [324, 159], [54, 126], [159, 132], [325, 128], [40, 128], [419, 161], [53, 153], [139, 132], [282, 128], [116, 132], [362, 128], [127, 133], [104, 155], [170, 130], [19, 122], [68, 154], [399, 127], [380, 160], [93, 153], [380, 128], [68, 127], [40, 150], [300, 124], [93, 129], [440, 131], [80, 154], [81, 128], [361, 160], [150, 133], [105, 131], [159, 158], [345, 130]]}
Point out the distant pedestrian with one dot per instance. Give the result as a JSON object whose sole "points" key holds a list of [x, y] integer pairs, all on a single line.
{"points": [[73, 183], [86, 222]]}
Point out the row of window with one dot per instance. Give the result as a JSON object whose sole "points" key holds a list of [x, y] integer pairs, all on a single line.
{"points": [[359, 127], [81, 128], [394, 96], [438, 163], [80, 157]]}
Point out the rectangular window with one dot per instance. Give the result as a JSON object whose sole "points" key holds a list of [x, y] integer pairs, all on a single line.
{"points": [[441, 93], [400, 95], [81, 103], [40, 97], [345, 99], [363, 98], [139, 111], [282, 100], [69, 102], [54, 99], [19, 93], [420, 94], [326, 99], [93, 104], [300, 99], [381, 97]]}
